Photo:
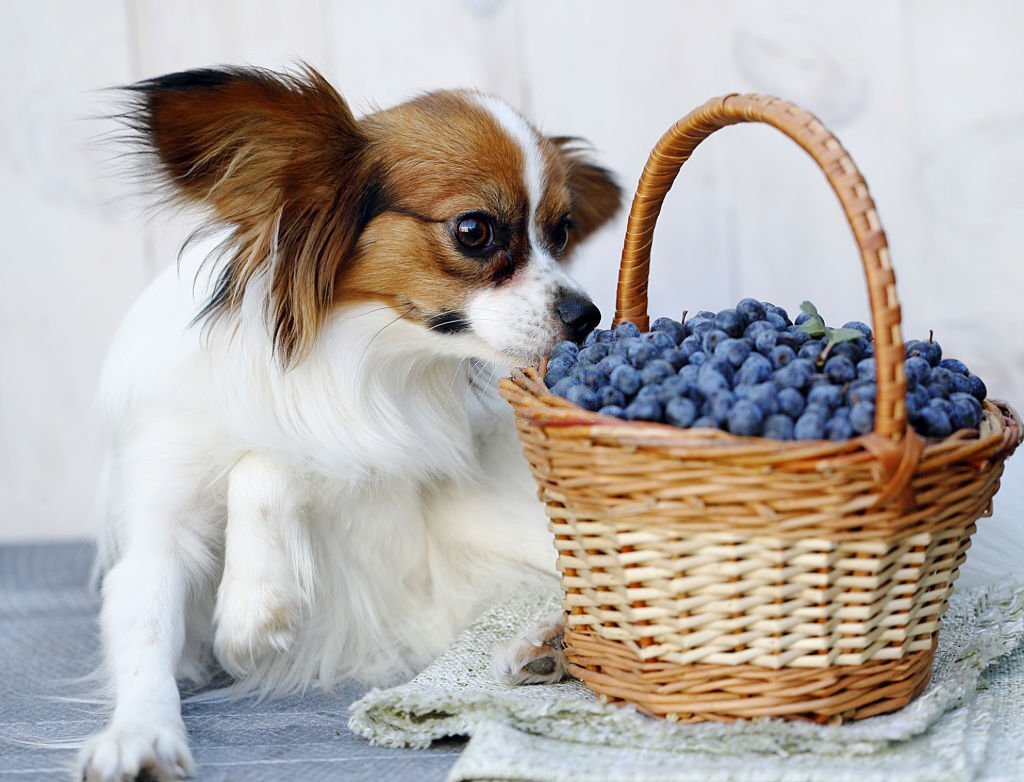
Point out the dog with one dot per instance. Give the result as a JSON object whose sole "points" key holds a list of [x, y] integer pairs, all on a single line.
{"points": [[310, 475]]}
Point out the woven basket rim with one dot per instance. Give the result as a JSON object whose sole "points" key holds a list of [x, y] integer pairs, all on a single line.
{"points": [[1004, 425]]}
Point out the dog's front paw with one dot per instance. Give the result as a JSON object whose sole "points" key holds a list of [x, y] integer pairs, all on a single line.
{"points": [[253, 619], [139, 751], [535, 658]]}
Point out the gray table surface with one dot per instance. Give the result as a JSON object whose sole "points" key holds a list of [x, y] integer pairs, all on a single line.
{"points": [[48, 639]]}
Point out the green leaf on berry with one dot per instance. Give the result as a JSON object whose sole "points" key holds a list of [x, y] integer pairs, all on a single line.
{"points": [[835, 336], [815, 324]]}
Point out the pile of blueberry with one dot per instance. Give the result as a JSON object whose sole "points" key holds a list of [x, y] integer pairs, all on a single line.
{"points": [[752, 371]]}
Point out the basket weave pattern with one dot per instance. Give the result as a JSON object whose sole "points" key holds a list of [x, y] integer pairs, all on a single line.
{"points": [[710, 576]]}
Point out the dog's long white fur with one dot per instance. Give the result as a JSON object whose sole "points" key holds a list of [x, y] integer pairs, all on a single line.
{"points": [[375, 498]]}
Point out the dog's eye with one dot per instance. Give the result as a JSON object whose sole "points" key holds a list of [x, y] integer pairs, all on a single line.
{"points": [[559, 236], [473, 232]]}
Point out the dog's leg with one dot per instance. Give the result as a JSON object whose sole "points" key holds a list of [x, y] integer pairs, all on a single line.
{"points": [[143, 627], [534, 658], [269, 568]]}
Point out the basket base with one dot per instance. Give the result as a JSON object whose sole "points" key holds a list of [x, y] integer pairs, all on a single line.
{"points": [[701, 692]]}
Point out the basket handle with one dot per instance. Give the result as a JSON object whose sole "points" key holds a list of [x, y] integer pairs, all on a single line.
{"points": [[675, 148]]}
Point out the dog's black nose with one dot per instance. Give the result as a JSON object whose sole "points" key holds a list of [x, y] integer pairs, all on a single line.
{"points": [[579, 314]]}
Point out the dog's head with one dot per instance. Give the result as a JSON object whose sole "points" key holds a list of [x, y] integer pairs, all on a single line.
{"points": [[449, 209]]}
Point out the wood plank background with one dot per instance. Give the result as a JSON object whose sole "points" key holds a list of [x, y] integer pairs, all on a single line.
{"points": [[925, 93]]}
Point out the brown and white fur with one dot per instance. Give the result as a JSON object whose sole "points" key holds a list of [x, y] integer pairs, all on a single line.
{"points": [[310, 475]]}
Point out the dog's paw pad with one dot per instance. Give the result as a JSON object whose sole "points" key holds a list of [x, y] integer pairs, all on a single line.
{"points": [[536, 658]]}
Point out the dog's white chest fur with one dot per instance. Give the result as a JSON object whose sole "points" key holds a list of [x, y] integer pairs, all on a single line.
{"points": [[374, 497]]}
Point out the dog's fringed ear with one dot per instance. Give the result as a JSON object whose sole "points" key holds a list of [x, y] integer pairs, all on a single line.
{"points": [[595, 193], [281, 159]]}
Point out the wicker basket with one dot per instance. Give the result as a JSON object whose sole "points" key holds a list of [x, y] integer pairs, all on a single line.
{"points": [[714, 577]]}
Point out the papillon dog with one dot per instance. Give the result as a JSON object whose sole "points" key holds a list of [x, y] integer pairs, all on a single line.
{"points": [[310, 475]]}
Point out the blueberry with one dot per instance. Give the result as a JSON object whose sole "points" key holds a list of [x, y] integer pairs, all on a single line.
{"points": [[673, 328], [591, 339], [861, 391], [929, 351], [719, 405], [704, 422], [706, 314], [652, 391], [656, 371], [681, 412], [757, 327], [811, 349], [710, 380], [641, 352], [745, 418], [627, 330], [840, 369], [967, 411], [764, 396], [660, 340], [675, 357], [810, 426], [722, 366], [943, 379], [626, 379], [561, 388], [610, 362], [689, 373], [756, 369], [566, 348], [917, 371], [592, 376], [735, 351], [611, 396], [932, 422], [765, 341], [594, 353], [830, 396], [691, 345], [941, 404], [614, 410], [976, 388], [562, 361], [674, 387], [731, 322], [866, 369], [792, 376], [838, 428], [799, 338], [959, 367], [778, 427], [583, 397], [777, 320], [801, 319], [778, 312], [862, 417], [791, 402], [700, 328], [781, 355], [850, 350], [644, 410], [863, 328], [918, 399], [752, 310], [712, 340], [698, 358], [552, 376]]}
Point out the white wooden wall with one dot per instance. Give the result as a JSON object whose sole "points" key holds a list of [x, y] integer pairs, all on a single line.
{"points": [[925, 93]]}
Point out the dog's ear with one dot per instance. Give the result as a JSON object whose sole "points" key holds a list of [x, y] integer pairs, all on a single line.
{"points": [[282, 160], [595, 193]]}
